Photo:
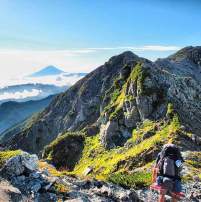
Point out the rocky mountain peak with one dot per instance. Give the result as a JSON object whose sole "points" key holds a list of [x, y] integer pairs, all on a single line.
{"points": [[125, 57], [191, 53], [184, 63]]}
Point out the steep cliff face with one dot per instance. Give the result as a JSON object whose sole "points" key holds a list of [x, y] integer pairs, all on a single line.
{"points": [[140, 98], [182, 76], [118, 97]]}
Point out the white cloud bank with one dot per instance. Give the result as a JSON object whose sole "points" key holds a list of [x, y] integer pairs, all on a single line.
{"points": [[20, 95], [58, 80], [29, 92]]}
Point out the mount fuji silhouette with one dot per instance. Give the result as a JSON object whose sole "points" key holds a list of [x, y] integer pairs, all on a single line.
{"points": [[47, 71]]}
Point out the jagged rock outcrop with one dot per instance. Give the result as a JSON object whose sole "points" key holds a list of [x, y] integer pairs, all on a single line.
{"points": [[120, 95], [9, 193], [21, 180], [149, 89]]}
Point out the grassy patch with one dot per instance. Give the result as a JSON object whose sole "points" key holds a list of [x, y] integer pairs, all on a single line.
{"points": [[131, 180], [147, 125], [43, 165], [193, 163], [139, 74], [104, 162], [136, 72], [5, 155], [115, 95]]}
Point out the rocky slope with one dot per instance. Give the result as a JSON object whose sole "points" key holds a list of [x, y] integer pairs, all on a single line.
{"points": [[119, 95], [22, 179], [111, 124]]}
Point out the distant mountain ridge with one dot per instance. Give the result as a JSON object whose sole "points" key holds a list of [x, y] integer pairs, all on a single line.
{"points": [[74, 74], [30, 91], [47, 71], [12, 112]]}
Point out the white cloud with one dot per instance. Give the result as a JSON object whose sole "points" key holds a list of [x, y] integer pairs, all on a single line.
{"points": [[20, 95], [21, 62], [140, 48], [58, 80]]}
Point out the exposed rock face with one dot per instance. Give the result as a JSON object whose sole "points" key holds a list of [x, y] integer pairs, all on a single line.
{"points": [[175, 80], [118, 96], [9, 193], [141, 98], [109, 133], [21, 180], [183, 82]]}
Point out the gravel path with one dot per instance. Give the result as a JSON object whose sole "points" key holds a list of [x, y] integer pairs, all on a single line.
{"points": [[192, 192]]}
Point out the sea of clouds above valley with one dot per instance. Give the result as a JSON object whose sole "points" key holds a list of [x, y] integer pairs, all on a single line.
{"points": [[58, 80]]}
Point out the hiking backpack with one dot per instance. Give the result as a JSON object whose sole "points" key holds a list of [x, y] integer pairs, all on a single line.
{"points": [[167, 161]]}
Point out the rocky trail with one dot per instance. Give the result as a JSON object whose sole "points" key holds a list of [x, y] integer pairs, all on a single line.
{"points": [[192, 192], [21, 181]]}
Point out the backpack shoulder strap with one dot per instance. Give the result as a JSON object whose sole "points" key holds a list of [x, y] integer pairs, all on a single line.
{"points": [[160, 166]]}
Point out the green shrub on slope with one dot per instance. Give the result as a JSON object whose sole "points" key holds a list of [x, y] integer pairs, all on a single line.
{"points": [[131, 180], [65, 151]]}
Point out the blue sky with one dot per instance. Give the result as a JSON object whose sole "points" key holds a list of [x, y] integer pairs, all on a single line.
{"points": [[78, 35]]}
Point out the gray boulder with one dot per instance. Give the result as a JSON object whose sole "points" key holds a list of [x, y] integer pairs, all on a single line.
{"points": [[30, 162], [17, 165], [109, 134]]}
